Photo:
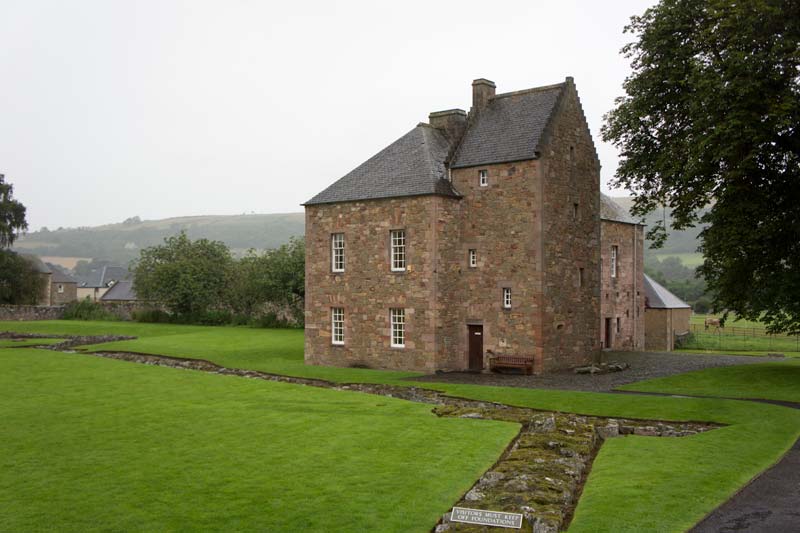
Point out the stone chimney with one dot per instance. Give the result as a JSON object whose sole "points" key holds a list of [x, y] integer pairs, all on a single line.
{"points": [[452, 121], [482, 91]]}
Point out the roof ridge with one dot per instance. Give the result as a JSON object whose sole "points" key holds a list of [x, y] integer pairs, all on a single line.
{"points": [[531, 90]]}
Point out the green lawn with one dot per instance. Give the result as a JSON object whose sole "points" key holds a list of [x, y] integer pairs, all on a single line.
{"points": [[738, 336], [773, 381], [673, 482], [91, 444]]}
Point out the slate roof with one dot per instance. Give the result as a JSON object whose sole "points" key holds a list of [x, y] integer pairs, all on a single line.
{"points": [[657, 297], [102, 277], [121, 291], [611, 210], [412, 165], [59, 275], [510, 128]]}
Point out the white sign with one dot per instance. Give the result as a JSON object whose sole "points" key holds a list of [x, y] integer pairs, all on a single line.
{"points": [[486, 518]]}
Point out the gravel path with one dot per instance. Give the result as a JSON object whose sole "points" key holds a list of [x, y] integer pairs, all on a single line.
{"points": [[644, 365]]}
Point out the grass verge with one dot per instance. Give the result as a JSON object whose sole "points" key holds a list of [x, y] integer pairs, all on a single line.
{"points": [[94, 444]]}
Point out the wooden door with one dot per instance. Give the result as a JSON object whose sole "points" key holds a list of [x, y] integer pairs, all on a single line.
{"points": [[475, 347]]}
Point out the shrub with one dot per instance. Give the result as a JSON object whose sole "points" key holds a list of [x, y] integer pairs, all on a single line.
{"points": [[87, 310], [154, 316]]}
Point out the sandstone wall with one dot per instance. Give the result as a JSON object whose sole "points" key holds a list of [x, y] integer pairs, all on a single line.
{"points": [[622, 297], [367, 289], [69, 294], [571, 237], [502, 222]]}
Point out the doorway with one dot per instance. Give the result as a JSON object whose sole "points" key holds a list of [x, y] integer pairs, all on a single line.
{"points": [[607, 341], [475, 347]]}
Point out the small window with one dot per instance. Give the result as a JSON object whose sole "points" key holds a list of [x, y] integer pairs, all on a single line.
{"points": [[398, 238], [506, 298], [473, 258], [337, 325], [337, 252], [483, 178], [572, 155], [614, 251], [575, 211], [60, 289], [619, 322], [580, 277], [398, 319]]}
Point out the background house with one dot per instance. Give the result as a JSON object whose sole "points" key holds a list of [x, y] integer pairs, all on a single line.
{"points": [[665, 316], [622, 298], [95, 284], [59, 287], [120, 292]]}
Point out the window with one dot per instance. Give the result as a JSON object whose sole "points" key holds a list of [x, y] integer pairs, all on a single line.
{"points": [[483, 178], [580, 277], [398, 238], [337, 252], [337, 325], [473, 258], [614, 250], [506, 298], [60, 289], [398, 320], [619, 321], [572, 155], [575, 211]]}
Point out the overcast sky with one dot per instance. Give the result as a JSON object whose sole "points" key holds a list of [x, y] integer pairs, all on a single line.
{"points": [[112, 109]]}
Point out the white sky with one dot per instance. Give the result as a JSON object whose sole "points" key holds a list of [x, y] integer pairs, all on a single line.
{"points": [[112, 109]]}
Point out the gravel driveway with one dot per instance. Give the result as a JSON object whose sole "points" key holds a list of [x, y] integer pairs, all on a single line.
{"points": [[644, 365]]}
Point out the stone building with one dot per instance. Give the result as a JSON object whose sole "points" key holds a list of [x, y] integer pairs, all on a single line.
{"points": [[622, 320], [58, 288], [473, 234], [666, 316]]}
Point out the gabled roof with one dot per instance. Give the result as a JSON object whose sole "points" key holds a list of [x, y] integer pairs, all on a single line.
{"points": [[611, 210], [120, 291], [510, 128], [412, 165], [60, 275], [657, 297], [102, 277]]}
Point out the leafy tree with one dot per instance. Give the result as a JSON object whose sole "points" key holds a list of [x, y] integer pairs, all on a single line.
{"points": [[20, 283], [277, 277], [12, 215], [710, 118], [188, 277]]}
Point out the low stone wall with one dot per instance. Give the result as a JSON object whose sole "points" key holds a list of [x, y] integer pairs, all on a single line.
{"points": [[31, 312]]}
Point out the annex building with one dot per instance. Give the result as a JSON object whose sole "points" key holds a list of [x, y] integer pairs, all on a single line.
{"points": [[475, 234]]}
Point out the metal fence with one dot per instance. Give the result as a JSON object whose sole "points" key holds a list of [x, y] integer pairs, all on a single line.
{"points": [[737, 339]]}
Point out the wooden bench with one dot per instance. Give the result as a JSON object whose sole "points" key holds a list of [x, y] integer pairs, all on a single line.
{"points": [[512, 361]]}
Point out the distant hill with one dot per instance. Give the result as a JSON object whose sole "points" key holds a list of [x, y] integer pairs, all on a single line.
{"points": [[678, 242], [121, 242]]}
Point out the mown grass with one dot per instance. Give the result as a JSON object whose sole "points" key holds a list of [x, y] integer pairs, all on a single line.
{"points": [[92, 444], [772, 381], [8, 343], [674, 482]]}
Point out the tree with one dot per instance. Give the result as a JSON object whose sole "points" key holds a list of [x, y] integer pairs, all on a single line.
{"points": [[20, 283], [12, 215], [710, 118], [276, 277], [189, 277]]}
